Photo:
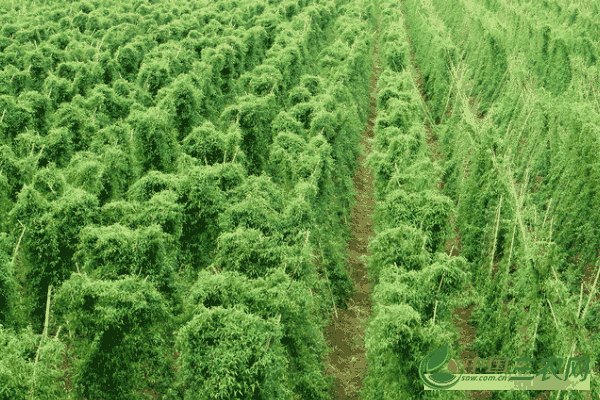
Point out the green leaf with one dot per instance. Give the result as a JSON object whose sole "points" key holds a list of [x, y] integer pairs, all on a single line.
{"points": [[437, 358]]}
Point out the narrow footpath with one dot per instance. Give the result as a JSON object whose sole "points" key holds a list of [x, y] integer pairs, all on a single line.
{"points": [[346, 331]]}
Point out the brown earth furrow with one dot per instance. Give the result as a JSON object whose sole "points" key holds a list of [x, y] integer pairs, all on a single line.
{"points": [[346, 331]]}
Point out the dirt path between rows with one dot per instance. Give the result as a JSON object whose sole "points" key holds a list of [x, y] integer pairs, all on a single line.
{"points": [[346, 331]]}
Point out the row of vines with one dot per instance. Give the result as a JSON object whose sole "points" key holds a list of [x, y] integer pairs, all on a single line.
{"points": [[175, 184], [512, 100], [417, 285]]}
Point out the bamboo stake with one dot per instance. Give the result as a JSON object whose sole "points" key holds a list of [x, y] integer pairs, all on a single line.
{"points": [[315, 170], [332, 300], [535, 331], [580, 298], [592, 292], [545, 216], [518, 203], [495, 236], [553, 315], [18, 242], [512, 242], [584, 312], [534, 220], [57, 332], [436, 302], [398, 172], [44, 333], [236, 151], [39, 154], [522, 128]]}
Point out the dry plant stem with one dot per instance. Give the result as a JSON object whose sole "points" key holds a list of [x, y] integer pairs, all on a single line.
{"points": [[44, 333]]}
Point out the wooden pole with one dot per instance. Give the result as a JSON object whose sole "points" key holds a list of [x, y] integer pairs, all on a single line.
{"points": [[18, 242], [44, 333]]}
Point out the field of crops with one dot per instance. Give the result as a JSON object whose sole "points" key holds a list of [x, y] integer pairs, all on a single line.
{"points": [[186, 189]]}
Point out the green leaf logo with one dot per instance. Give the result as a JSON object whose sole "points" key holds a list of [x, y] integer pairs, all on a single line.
{"points": [[433, 361], [437, 358], [442, 377]]}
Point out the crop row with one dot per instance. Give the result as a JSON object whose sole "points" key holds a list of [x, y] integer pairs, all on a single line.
{"points": [[175, 182], [519, 165], [417, 285]]}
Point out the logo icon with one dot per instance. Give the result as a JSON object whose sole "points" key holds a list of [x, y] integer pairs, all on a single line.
{"points": [[432, 362]]}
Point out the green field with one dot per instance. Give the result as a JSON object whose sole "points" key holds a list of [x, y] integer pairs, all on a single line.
{"points": [[280, 199]]}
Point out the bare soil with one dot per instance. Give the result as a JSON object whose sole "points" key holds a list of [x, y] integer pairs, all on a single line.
{"points": [[346, 331]]}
